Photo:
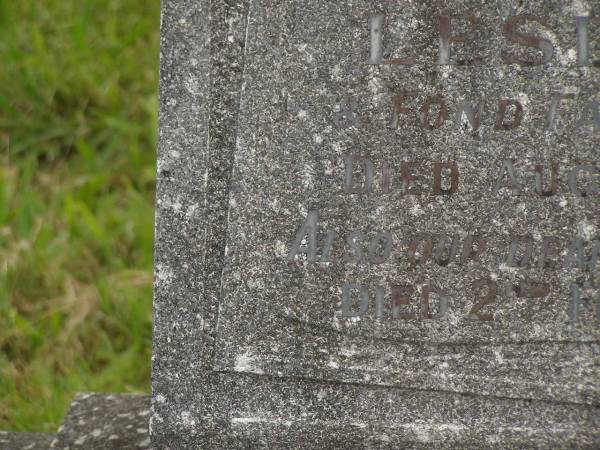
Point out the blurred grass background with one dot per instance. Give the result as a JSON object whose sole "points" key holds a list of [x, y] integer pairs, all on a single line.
{"points": [[78, 107]]}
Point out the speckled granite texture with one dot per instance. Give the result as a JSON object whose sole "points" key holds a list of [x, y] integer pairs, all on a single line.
{"points": [[294, 373], [105, 422], [281, 311], [25, 441]]}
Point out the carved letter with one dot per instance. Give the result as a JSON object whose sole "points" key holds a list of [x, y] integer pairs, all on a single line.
{"points": [[386, 178], [401, 297], [353, 242], [583, 43], [539, 183], [444, 243], [347, 302], [490, 296], [437, 178], [443, 300], [308, 229], [379, 292], [572, 181], [517, 119], [442, 115], [577, 302], [367, 166], [407, 176], [398, 102], [594, 108], [384, 238], [474, 118], [445, 29], [576, 250], [469, 252], [508, 169], [509, 30], [553, 111], [376, 38], [515, 245], [548, 249], [376, 32], [414, 255]]}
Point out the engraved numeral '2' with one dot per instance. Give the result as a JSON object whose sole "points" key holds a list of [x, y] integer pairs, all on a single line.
{"points": [[492, 290]]}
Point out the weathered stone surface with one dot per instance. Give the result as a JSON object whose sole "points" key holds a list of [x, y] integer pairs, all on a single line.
{"points": [[320, 120], [105, 422], [194, 406], [25, 441]]}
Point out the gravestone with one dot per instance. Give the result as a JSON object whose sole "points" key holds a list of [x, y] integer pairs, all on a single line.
{"points": [[395, 239]]}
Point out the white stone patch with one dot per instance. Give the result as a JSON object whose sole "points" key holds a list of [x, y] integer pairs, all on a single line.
{"points": [[335, 322], [332, 364], [581, 8], [247, 363], [586, 230], [336, 73], [318, 139], [191, 210], [453, 318], [308, 177], [302, 114], [445, 70], [329, 167], [348, 351], [186, 419], [338, 147], [97, 432], [416, 210], [164, 274], [321, 394], [191, 84], [376, 90], [280, 249], [160, 398], [424, 431], [506, 268], [523, 99], [568, 58], [498, 356], [251, 420]]}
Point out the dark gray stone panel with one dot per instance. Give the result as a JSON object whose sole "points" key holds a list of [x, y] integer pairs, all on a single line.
{"points": [[105, 422], [307, 66], [25, 441]]}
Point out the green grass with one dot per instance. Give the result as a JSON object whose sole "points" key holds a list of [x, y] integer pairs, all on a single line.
{"points": [[78, 107]]}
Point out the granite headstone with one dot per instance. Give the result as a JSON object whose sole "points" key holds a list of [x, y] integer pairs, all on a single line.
{"points": [[411, 213]]}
